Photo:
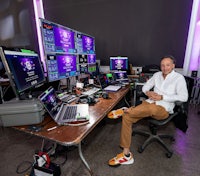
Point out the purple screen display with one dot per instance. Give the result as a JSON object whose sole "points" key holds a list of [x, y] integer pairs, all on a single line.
{"points": [[28, 72], [66, 63], [64, 39], [88, 43], [118, 64], [91, 58]]}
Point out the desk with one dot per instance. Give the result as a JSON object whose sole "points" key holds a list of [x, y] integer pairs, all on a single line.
{"points": [[73, 135]]}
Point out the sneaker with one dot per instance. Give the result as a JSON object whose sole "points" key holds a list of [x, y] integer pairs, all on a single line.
{"points": [[121, 159], [115, 114]]}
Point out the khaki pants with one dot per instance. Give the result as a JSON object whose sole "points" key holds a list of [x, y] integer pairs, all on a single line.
{"points": [[136, 113]]}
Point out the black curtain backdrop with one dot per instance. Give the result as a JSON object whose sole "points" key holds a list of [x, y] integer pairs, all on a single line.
{"points": [[143, 30]]}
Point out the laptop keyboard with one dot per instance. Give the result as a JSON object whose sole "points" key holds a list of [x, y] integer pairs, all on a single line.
{"points": [[70, 112]]}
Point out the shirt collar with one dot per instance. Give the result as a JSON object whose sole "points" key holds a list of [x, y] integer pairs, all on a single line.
{"points": [[171, 73]]}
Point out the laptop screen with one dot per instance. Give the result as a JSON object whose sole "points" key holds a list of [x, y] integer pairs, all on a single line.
{"points": [[50, 101], [121, 76]]}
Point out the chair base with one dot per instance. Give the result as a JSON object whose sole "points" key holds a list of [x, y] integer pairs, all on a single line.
{"points": [[152, 138]]}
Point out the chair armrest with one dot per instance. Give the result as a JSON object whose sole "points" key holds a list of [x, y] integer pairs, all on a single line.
{"points": [[181, 107], [178, 103]]}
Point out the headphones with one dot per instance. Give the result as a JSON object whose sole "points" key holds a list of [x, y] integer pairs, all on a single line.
{"points": [[102, 94], [105, 95], [87, 100]]}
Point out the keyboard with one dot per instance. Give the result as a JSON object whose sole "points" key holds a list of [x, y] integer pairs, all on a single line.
{"points": [[91, 91], [70, 112], [68, 98]]}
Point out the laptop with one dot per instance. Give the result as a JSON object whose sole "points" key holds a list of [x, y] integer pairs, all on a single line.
{"points": [[102, 81], [121, 76], [61, 112], [113, 88]]}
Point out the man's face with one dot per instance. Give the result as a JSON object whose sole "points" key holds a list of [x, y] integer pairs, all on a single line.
{"points": [[166, 66]]}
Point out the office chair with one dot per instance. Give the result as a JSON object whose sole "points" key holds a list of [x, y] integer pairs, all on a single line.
{"points": [[179, 110]]}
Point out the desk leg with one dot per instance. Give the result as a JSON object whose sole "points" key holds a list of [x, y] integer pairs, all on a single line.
{"points": [[125, 100], [1, 93], [134, 97], [83, 159]]}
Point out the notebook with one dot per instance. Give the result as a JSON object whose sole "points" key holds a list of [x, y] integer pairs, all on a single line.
{"points": [[61, 112], [112, 88]]}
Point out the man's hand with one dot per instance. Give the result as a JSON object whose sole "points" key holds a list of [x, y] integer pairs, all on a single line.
{"points": [[154, 96]]}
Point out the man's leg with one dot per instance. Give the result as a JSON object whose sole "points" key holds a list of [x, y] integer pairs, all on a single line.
{"points": [[134, 114], [130, 116]]}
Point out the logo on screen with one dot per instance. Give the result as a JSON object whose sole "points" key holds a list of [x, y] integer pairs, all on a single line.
{"points": [[28, 65]]}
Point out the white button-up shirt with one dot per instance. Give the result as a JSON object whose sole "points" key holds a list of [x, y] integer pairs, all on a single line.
{"points": [[172, 88]]}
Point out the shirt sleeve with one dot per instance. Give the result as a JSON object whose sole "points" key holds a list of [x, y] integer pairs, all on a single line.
{"points": [[149, 84]]}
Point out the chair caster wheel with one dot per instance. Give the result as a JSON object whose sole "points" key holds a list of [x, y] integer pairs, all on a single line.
{"points": [[169, 155], [140, 149]]}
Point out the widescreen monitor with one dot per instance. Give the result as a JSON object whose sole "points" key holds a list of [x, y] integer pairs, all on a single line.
{"points": [[25, 69], [85, 44], [61, 66], [118, 63], [57, 38]]}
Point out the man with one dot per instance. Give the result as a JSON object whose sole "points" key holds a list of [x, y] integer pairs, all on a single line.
{"points": [[168, 87]]}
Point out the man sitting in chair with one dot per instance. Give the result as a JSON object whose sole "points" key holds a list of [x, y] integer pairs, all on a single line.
{"points": [[168, 87]]}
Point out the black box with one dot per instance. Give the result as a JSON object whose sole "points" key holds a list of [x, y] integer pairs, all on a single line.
{"points": [[52, 170], [194, 73]]}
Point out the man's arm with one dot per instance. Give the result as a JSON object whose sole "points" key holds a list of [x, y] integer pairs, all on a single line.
{"points": [[154, 96], [148, 86]]}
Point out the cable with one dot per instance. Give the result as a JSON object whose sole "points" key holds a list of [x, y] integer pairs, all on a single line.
{"points": [[18, 171], [61, 163]]}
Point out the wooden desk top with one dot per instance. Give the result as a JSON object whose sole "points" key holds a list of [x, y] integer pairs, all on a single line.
{"points": [[72, 135]]}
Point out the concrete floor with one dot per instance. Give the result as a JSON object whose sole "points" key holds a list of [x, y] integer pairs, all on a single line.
{"points": [[17, 149]]}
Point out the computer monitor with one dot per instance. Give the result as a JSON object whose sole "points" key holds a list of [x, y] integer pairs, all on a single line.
{"points": [[85, 44], [118, 63], [121, 76], [57, 38], [60, 43], [61, 66], [24, 69], [91, 59], [82, 59], [109, 76], [92, 68], [83, 68]]}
